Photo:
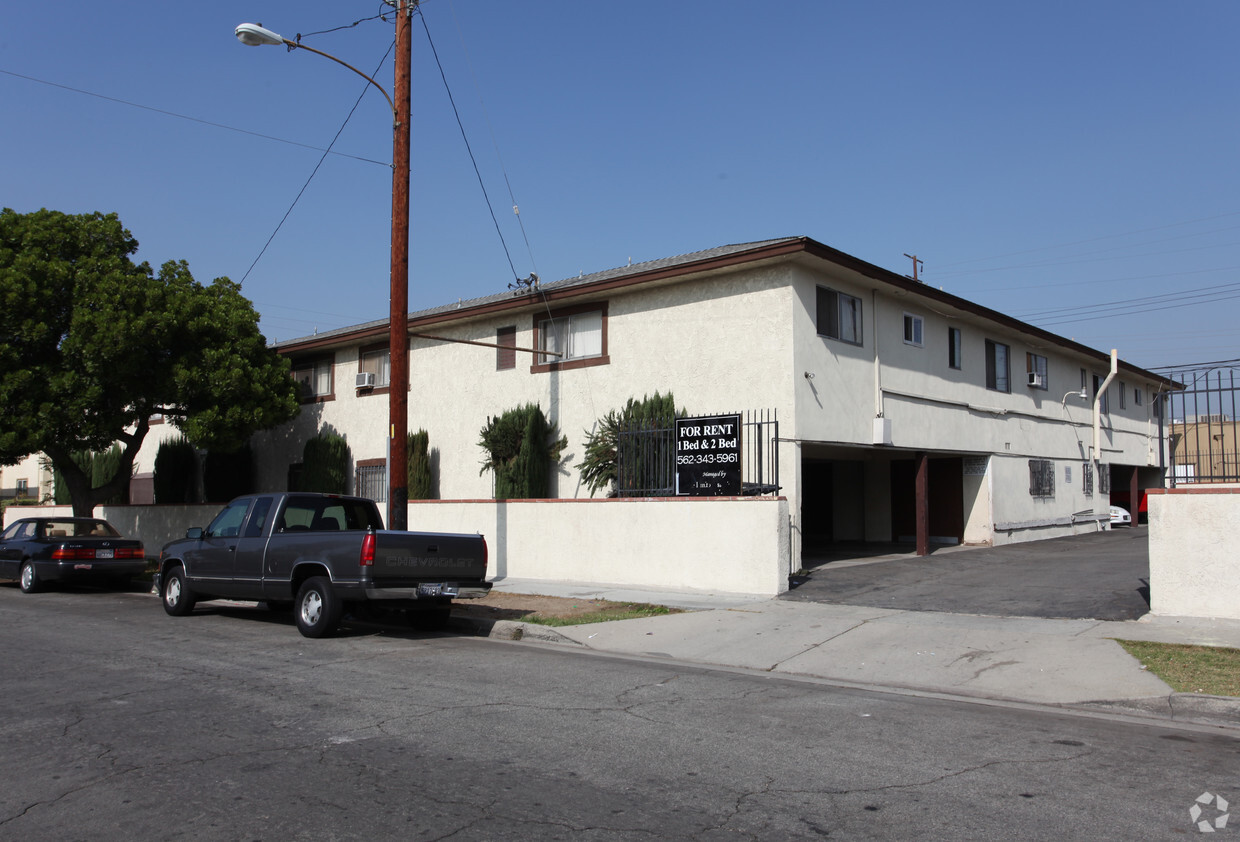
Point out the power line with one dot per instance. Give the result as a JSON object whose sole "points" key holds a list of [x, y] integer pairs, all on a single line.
{"points": [[315, 171], [167, 113], [468, 148]]}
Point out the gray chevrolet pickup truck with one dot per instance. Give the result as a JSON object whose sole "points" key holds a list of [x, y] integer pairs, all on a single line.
{"points": [[320, 554]]}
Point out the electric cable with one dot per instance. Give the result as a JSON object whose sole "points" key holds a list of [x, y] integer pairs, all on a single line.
{"points": [[167, 113], [315, 171], [468, 148]]}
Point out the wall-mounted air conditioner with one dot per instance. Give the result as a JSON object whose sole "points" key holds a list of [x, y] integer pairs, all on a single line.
{"points": [[1037, 380], [366, 380]]}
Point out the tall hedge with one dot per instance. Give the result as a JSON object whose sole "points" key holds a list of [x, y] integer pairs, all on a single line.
{"points": [[176, 472], [421, 481], [521, 447], [325, 464], [101, 467]]}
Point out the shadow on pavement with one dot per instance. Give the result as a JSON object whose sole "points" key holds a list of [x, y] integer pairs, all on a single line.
{"points": [[1101, 576]]}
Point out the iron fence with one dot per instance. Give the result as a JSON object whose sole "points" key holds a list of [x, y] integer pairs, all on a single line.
{"points": [[646, 457], [1202, 427]]}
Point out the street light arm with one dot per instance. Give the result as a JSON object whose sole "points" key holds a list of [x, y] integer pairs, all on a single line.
{"points": [[255, 35]]}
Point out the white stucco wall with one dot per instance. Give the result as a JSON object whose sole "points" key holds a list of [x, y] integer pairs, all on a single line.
{"points": [[1195, 552], [722, 545]]}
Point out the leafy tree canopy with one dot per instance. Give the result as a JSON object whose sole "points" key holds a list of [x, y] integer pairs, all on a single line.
{"points": [[92, 345]]}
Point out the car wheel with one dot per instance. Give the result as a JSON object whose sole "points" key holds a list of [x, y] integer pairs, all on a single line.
{"points": [[178, 599], [318, 608], [29, 580]]}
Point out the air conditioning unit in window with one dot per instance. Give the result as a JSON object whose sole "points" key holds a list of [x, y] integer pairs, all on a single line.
{"points": [[1037, 380], [366, 380]]}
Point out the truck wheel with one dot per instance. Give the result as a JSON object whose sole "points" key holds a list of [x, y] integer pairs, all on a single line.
{"points": [[30, 581], [318, 608], [178, 599]]}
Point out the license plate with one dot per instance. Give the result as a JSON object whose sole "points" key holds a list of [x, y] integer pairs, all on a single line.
{"points": [[105, 553], [430, 590], [81, 567]]}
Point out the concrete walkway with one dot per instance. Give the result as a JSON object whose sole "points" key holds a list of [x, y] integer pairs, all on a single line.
{"points": [[1063, 662]]}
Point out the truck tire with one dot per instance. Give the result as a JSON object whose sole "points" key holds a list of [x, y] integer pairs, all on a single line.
{"points": [[175, 594], [29, 579], [318, 608]]}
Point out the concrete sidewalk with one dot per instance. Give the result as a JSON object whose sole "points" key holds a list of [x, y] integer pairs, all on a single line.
{"points": [[1073, 663]]}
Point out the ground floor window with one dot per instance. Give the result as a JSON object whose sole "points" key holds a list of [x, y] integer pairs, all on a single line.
{"points": [[1041, 478]]}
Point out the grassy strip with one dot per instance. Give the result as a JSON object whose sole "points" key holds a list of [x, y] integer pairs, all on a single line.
{"points": [[1213, 670], [613, 611]]}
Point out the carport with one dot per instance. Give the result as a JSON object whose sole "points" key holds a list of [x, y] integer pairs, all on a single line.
{"points": [[1102, 576]]}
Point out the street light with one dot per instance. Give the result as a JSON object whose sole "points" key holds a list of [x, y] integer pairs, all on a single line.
{"points": [[255, 35]]}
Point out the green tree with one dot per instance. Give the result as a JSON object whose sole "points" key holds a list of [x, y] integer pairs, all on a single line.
{"points": [[606, 449], [101, 467], [325, 464], [521, 447], [421, 482], [92, 345]]}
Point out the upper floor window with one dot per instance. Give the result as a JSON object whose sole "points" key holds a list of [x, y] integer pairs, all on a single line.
{"points": [[954, 358], [1104, 405], [839, 316], [1035, 367], [506, 353], [314, 377], [1137, 397], [376, 362], [1123, 395], [913, 328], [575, 337], [998, 369]]}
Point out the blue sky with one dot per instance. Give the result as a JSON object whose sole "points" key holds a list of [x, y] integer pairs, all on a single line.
{"points": [[1071, 164]]}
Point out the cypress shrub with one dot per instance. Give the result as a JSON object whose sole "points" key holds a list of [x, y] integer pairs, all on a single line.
{"points": [[325, 464], [421, 482], [645, 457], [176, 472], [521, 447]]}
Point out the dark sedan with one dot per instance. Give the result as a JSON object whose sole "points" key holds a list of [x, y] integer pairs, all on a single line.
{"points": [[48, 549]]}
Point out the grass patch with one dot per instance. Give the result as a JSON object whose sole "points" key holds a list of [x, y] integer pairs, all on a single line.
{"points": [[612, 611], [1214, 670]]}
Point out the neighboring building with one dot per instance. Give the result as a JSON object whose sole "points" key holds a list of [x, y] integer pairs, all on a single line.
{"points": [[1205, 449], [29, 479], [872, 376]]}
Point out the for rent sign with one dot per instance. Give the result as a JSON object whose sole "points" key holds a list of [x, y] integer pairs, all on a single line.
{"points": [[708, 456]]}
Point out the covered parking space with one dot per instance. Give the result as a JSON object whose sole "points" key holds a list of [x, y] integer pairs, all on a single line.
{"points": [[1102, 576]]}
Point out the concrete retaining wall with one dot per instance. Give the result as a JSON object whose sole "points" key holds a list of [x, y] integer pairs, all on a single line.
{"points": [[726, 545], [1195, 552]]}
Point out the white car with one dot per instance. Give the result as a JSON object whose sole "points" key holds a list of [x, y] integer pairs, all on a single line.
{"points": [[1120, 517]]}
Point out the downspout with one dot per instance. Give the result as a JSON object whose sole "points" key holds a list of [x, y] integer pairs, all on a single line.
{"points": [[878, 363], [1102, 390]]}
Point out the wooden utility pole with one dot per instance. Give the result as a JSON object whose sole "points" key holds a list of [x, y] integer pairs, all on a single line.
{"points": [[398, 336], [916, 263]]}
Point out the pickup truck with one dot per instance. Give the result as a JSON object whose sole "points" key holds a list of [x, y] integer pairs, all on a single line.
{"points": [[320, 554]]}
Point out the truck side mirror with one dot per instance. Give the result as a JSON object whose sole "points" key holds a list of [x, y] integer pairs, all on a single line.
{"points": [[194, 533]]}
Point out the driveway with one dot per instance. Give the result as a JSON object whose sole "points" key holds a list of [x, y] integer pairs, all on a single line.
{"points": [[1101, 576]]}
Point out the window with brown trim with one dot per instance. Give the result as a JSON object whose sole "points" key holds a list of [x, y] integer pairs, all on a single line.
{"points": [[578, 335], [506, 354], [377, 362], [314, 375]]}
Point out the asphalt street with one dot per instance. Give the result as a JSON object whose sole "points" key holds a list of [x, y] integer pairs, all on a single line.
{"points": [[1101, 576], [122, 722]]}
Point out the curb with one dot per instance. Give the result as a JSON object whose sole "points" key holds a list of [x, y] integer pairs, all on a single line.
{"points": [[511, 630]]}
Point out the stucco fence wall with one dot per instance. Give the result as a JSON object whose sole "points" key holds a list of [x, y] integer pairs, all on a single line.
{"points": [[721, 545], [1195, 552]]}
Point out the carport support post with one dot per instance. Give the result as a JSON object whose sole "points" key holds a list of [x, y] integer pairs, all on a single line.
{"points": [[922, 503]]}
